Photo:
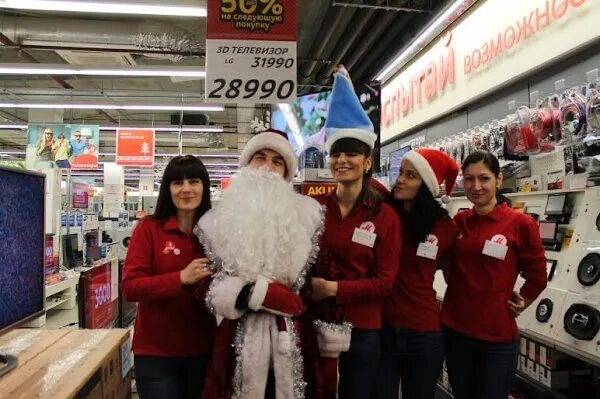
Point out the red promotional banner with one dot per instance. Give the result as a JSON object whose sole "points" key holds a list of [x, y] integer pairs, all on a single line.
{"points": [[135, 147], [100, 310], [79, 193], [252, 19]]}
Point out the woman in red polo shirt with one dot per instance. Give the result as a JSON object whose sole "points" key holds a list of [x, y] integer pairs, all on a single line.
{"points": [[494, 245], [165, 264], [413, 341], [359, 254]]}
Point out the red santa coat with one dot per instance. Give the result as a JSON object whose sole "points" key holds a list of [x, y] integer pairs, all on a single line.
{"points": [[251, 341]]}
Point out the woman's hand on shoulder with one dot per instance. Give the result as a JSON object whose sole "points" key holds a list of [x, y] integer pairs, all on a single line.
{"points": [[322, 289]]}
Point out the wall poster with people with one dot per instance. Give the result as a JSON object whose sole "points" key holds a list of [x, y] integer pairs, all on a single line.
{"points": [[65, 146]]}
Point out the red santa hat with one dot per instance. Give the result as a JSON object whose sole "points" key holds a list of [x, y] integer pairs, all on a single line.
{"points": [[273, 140], [434, 167]]}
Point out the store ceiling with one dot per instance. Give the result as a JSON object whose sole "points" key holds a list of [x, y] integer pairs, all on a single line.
{"points": [[363, 38]]}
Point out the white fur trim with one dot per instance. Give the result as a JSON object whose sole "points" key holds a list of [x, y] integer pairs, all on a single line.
{"points": [[223, 293], [359, 134], [333, 341], [425, 170], [275, 142], [259, 292], [274, 228], [258, 351]]}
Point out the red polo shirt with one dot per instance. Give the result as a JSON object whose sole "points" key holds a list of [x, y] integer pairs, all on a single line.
{"points": [[413, 303], [169, 322], [479, 285], [365, 275]]}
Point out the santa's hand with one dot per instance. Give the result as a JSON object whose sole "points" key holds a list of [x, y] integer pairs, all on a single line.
{"points": [[195, 271], [275, 298]]}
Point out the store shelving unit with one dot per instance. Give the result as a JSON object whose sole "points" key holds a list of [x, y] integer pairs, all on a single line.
{"points": [[61, 304]]}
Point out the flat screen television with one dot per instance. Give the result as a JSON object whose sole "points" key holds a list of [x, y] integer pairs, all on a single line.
{"points": [[304, 120], [556, 204], [72, 256], [396, 157], [127, 310], [548, 231], [22, 248]]}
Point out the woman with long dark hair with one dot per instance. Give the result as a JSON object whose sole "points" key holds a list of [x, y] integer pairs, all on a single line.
{"points": [[413, 341], [165, 265], [359, 253], [495, 244]]}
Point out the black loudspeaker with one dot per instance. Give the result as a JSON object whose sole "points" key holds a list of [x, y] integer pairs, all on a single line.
{"points": [[543, 311], [582, 321], [588, 272], [189, 119]]}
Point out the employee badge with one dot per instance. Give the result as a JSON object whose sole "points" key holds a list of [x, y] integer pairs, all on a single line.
{"points": [[365, 234], [496, 247], [428, 248]]}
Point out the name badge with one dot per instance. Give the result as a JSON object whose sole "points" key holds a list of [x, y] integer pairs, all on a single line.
{"points": [[427, 250], [364, 237], [494, 250]]}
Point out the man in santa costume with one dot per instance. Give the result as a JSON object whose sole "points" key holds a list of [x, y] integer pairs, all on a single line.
{"points": [[261, 239]]}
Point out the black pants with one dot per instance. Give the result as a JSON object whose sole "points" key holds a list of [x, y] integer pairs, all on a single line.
{"points": [[170, 377], [479, 369], [358, 367], [413, 357]]}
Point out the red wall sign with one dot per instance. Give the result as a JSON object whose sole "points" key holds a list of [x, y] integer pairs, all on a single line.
{"points": [[135, 147], [449, 63]]}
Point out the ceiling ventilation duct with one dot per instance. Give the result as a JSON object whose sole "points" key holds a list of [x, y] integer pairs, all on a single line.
{"points": [[138, 36], [181, 42]]}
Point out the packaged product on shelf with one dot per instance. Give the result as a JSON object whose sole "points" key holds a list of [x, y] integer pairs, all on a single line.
{"points": [[528, 184], [572, 114], [554, 181]]}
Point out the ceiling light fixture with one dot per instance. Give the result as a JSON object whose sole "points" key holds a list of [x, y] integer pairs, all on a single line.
{"points": [[206, 129], [113, 105], [185, 129], [12, 127], [86, 70], [103, 7], [440, 23], [221, 171], [224, 156]]}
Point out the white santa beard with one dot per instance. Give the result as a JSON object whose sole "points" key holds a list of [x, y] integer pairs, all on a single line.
{"points": [[261, 228]]}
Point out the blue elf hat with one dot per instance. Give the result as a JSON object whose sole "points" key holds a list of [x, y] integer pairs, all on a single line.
{"points": [[346, 117]]}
